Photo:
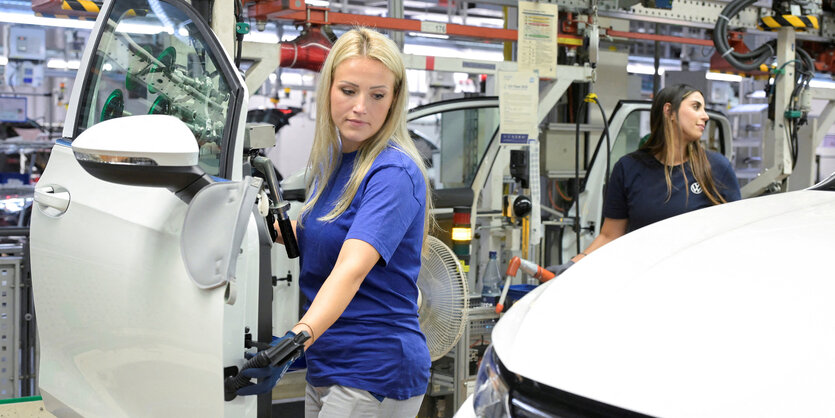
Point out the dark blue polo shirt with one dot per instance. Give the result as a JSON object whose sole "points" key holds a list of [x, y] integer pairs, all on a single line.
{"points": [[637, 190]]}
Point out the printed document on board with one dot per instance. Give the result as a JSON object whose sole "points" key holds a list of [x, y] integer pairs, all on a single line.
{"points": [[518, 106], [537, 42]]}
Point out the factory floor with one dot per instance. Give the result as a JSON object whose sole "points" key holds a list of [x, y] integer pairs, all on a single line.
{"points": [[290, 387], [288, 395], [31, 409], [35, 409]]}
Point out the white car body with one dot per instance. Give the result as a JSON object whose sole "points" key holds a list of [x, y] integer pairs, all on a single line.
{"points": [[725, 311]]}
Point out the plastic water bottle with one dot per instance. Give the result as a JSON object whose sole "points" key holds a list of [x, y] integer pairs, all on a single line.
{"points": [[491, 281]]}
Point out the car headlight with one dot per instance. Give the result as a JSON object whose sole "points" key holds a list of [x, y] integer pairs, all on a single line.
{"points": [[491, 395]]}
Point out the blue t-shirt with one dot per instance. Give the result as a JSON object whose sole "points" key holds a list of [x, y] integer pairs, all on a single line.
{"points": [[376, 345], [637, 190]]}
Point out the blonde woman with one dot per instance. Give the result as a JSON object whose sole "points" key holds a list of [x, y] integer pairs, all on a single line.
{"points": [[668, 175], [360, 237]]}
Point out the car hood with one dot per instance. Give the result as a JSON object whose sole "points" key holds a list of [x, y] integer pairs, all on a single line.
{"points": [[725, 311]]}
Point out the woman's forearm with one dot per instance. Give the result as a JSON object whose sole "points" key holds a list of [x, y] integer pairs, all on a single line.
{"points": [[356, 258]]}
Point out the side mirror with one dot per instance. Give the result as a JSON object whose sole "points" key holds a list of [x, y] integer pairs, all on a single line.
{"points": [[142, 150]]}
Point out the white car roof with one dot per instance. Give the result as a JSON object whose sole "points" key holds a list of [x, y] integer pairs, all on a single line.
{"points": [[726, 311]]}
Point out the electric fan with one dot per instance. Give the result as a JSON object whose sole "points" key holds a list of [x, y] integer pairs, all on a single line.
{"points": [[443, 297]]}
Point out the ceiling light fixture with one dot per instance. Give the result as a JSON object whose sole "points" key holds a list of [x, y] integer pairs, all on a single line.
{"points": [[643, 69], [31, 19], [822, 84], [56, 63], [723, 77], [429, 35]]}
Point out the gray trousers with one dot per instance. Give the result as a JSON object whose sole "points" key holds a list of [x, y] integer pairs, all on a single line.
{"points": [[340, 401]]}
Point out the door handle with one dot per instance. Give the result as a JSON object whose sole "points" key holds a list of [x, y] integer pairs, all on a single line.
{"points": [[51, 201]]}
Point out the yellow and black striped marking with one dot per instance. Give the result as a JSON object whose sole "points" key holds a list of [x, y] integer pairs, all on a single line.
{"points": [[81, 6], [86, 6], [789, 21]]}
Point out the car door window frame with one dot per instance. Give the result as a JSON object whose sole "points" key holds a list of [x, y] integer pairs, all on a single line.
{"points": [[236, 87], [461, 104]]}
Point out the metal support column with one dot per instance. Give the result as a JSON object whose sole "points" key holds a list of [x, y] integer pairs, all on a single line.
{"points": [[265, 61], [656, 63], [223, 25], [776, 154], [461, 372], [805, 173], [783, 88], [396, 11]]}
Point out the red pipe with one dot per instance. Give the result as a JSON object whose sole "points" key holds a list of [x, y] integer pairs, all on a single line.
{"points": [[308, 51]]}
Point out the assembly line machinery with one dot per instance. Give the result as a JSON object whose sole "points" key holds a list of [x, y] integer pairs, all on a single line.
{"points": [[789, 150]]}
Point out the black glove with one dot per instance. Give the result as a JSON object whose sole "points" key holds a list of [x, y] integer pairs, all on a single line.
{"points": [[560, 268], [271, 225]]}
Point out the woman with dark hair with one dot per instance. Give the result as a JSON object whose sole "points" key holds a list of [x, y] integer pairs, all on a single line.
{"points": [[670, 174]]}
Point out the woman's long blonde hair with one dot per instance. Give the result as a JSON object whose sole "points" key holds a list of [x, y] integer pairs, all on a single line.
{"points": [[326, 153], [664, 141]]}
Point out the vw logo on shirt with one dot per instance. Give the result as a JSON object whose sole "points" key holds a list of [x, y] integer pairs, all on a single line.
{"points": [[696, 188]]}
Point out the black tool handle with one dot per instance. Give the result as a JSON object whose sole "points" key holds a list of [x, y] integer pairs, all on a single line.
{"points": [[287, 234], [279, 206]]}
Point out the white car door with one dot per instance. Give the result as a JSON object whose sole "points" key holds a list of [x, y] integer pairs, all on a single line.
{"points": [[123, 329]]}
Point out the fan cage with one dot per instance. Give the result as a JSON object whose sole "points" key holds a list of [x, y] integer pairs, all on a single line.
{"points": [[443, 311]]}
